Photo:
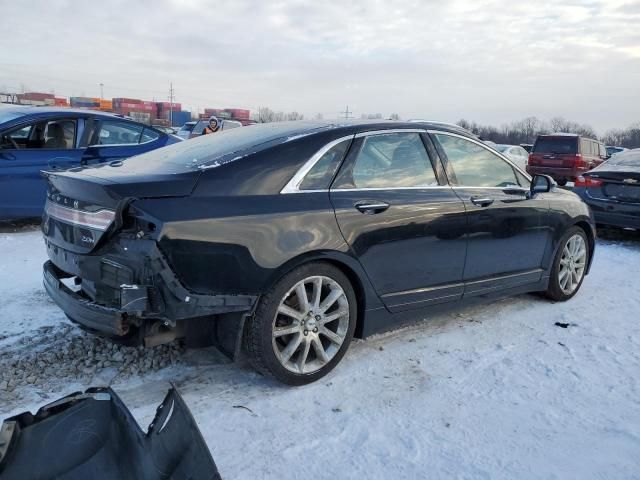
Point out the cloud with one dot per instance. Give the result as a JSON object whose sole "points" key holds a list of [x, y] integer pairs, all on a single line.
{"points": [[492, 60]]}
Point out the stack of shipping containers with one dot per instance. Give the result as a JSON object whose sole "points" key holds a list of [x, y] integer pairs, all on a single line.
{"points": [[238, 114], [163, 113], [140, 110]]}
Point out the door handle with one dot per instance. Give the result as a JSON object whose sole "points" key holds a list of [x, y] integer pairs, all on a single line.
{"points": [[370, 208], [513, 190], [482, 201]]}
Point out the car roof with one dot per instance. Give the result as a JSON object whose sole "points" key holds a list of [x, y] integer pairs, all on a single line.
{"points": [[31, 110], [302, 127]]}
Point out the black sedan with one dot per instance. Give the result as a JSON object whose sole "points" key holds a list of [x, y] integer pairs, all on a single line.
{"points": [[285, 240], [612, 190]]}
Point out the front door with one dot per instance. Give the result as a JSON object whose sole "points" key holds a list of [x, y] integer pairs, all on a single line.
{"points": [[25, 152], [507, 227], [406, 229]]}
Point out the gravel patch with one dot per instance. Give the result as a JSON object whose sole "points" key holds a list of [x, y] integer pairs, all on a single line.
{"points": [[58, 355]]}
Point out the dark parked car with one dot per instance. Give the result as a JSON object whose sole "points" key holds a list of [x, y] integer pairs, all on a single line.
{"points": [[565, 157], [612, 190], [613, 150], [41, 138], [290, 238], [527, 146]]}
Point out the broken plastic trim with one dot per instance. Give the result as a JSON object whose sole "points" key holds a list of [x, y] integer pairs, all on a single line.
{"points": [[93, 435]]}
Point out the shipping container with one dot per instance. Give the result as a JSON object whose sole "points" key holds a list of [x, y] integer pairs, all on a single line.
{"points": [[179, 118], [239, 113], [35, 96]]}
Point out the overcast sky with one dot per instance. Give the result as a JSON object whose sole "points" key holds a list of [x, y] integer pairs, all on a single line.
{"points": [[491, 61]]}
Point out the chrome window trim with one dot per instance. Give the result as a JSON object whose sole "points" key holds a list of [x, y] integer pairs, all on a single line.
{"points": [[486, 147], [293, 185], [389, 131], [373, 189]]}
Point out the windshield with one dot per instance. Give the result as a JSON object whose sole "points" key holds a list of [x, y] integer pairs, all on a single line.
{"points": [[556, 145], [9, 114], [501, 148], [187, 127], [212, 150]]}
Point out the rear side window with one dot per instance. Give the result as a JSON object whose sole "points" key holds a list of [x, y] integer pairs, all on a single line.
{"points": [[149, 135], [118, 133], [560, 145], [320, 175], [394, 160], [474, 165]]}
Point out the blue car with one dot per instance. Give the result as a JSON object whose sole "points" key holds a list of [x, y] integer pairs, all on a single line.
{"points": [[33, 139]]}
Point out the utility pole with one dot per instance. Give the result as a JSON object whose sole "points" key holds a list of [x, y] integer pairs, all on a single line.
{"points": [[347, 113], [171, 94], [101, 91]]}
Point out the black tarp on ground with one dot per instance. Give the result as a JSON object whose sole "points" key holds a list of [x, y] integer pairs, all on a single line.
{"points": [[93, 435]]}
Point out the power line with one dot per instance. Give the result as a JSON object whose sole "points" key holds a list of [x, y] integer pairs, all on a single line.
{"points": [[171, 95]]}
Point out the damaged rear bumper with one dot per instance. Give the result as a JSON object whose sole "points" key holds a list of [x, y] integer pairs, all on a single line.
{"points": [[129, 285], [93, 435]]}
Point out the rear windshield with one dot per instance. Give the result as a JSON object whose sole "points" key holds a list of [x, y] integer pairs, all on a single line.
{"points": [[556, 145], [208, 151]]}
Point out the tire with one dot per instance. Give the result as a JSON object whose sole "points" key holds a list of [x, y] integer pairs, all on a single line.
{"points": [[276, 342], [563, 261], [561, 181]]}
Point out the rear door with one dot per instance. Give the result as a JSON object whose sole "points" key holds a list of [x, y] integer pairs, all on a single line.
{"points": [[507, 229], [117, 139], [402, 222], [42, 145]]}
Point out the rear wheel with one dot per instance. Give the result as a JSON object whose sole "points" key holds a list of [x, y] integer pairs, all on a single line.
{"points": [[561, 181], [569, 266], [303, 326]]}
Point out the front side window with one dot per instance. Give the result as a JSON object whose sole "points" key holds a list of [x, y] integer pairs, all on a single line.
{"points": [[474, 165], [320, 175], [393, 160], [118, 133], [53, 134], [60, 134]]}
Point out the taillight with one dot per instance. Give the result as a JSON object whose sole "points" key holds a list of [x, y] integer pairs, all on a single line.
{"points": [[583, 181], [579, 160]]}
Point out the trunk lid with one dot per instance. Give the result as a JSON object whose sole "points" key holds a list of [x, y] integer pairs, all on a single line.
{"points": [[619, 182], [85, 205]]}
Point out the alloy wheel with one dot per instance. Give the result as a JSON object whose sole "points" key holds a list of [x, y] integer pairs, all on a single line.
{"points": [[572, 264], [310, 324]]}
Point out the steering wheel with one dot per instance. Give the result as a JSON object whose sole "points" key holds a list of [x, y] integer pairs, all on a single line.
{"points": [[12, 141]]}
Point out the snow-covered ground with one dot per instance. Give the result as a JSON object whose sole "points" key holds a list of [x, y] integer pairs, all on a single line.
{"points": [[497, 391]]}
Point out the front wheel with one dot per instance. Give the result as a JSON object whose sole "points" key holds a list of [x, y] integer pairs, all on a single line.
{"points": [[303, 326], [569, 266]]}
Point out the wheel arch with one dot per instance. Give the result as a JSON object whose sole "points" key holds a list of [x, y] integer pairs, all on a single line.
{"points": [[366, 296], [590, 232]]}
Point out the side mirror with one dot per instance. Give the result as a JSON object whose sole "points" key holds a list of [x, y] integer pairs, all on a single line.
{"points": [[541, 184]]}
